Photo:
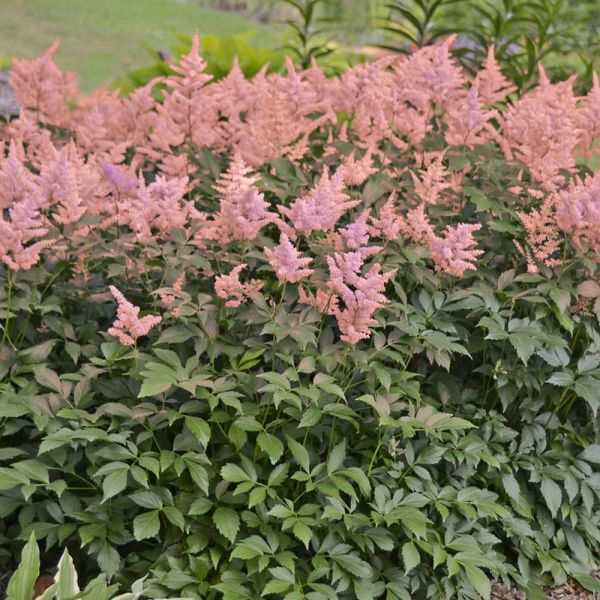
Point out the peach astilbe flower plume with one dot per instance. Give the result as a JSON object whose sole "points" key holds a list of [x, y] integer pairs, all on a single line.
{"points": [[356, 172], [453, 253], [128, 326], [542, 126], [61, 187], [287, 262], [432, 183], [232, 290], [542, 236], [387, 223], [41, 87], [492, 85], [121, 181], [243, 210], [578, 213], [16, 182], [467, 120], [322, 207], [24, 226], [361, 294]]}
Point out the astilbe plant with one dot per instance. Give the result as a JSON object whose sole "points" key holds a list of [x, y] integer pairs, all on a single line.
{"points": [[368, 359]]}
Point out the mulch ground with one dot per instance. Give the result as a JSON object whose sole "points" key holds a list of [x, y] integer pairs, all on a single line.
{"points": [[570, 591]]}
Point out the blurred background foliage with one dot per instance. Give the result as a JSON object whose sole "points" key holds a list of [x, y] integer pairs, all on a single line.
{"points": [[133, 41]]}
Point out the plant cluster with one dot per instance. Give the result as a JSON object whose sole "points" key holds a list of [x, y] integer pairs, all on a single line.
{"points": [[299, 337]]}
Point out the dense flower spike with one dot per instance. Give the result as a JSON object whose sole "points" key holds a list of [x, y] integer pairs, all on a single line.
{"points": [[18, 250], [361, 294], [322, 207], [243, 211], [453, 253], [432, 183], [42, 88], [87, 186], [232, 290], [287, 262], [129, 326], [491, 84]]}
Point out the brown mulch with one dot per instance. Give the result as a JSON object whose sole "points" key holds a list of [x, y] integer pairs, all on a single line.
{"points": [[569, 591]]}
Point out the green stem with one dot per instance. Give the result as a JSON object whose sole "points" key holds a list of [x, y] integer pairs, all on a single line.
{"points": [[5, 336]]}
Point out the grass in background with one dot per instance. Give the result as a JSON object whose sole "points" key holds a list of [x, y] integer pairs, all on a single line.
{"points": [[103, 39]]}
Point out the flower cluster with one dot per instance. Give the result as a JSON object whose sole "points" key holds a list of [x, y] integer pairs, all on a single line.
{"points": [[130, 178]]}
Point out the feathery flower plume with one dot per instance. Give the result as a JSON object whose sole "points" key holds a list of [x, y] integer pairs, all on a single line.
{"points": [[41, 87], [128, 326], [24, 226], [388, 223], [453, 253], [493, 86], [578, 213], [232, 290], [243, 210], [287, 262], [466, 121], [322, 207], [356, 172], [16, 182], [542, 236], [432, 182], [119, 178], [361, 294]]}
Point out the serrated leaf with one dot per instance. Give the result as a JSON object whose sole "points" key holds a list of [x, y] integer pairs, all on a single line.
{"points": [[410, 556], [479, 581], [114, 483], [336, 457], [146, 525], [271, 445], [300, 453], [552, 495], [227, 522], [200, 428], [174, 516]]}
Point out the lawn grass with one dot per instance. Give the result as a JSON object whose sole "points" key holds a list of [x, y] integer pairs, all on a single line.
{"points": [[102, 39]]}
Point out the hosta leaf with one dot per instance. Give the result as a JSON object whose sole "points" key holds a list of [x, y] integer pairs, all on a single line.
{"points": [[20, 586], [227, 522], [66, 577]]}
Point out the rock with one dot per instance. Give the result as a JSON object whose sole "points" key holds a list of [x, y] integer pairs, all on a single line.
{"points": [[8, 103]]}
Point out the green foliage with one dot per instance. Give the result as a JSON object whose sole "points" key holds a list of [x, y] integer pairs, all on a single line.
{"points": [[524, 32], [219, 51]]}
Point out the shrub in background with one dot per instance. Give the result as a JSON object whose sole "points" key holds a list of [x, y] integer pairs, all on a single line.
{"points": [[302, 337]]}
